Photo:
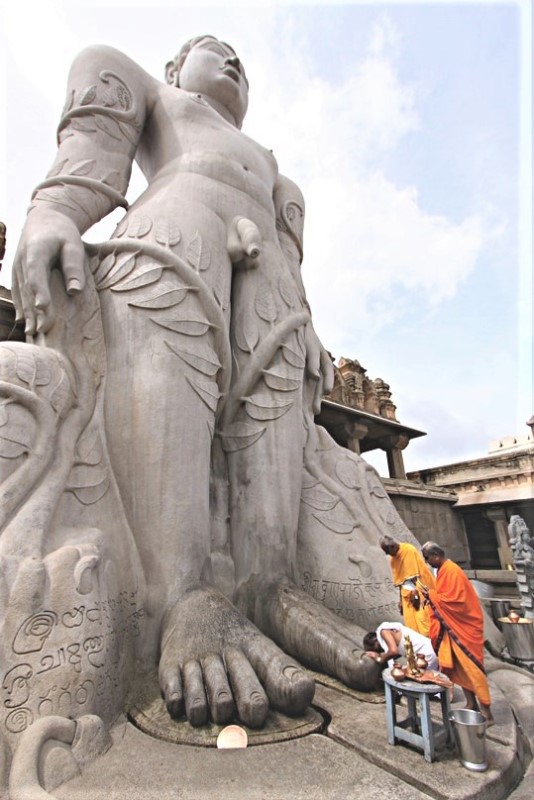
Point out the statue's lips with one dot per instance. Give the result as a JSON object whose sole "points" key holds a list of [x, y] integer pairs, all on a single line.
{"points": [[231, 72]]}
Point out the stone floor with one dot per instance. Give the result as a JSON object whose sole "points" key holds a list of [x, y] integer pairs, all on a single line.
{"points": [[349, 758]]}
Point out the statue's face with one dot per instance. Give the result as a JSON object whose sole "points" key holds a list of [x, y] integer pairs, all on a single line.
{"points": [[212, 68]]}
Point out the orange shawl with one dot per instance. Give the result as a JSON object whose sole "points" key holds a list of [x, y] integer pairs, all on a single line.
{"points": [[409, 563], [456, 602]]}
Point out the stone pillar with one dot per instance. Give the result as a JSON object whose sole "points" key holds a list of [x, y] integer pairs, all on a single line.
{"points": [[394, 445], [497, 515], [356, 431]]}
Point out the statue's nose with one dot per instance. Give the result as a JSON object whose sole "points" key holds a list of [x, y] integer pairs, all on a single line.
{"points": [[233, 61]]}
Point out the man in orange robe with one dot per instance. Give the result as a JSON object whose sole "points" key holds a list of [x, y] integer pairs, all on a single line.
{"points": [[457, 629], [408, 567]]}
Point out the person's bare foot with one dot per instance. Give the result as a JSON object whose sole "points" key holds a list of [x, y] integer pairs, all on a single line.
{"points": [[314, 635], [216, 663]]}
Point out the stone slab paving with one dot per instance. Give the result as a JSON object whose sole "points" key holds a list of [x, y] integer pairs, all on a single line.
{"points": [[364, 729], [312, 768], [351, 759]]}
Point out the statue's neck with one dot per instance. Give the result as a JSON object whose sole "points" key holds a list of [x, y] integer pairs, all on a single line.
{"points": [[221, 109]]}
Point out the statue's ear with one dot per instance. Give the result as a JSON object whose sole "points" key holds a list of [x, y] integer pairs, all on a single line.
{"points": [[171, 73]]}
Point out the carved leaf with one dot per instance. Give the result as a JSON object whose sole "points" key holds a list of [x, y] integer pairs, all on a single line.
{"points": [[309, 480], [123, 267], [128, 133], [166, 295], [113, 179], [319, 499], [3, 412], [88, 95], [247, 335], [293, 357], [58, 398], [206, 366], [85, 476], [93, 327], [88, 495], [109, 126], [191, 327], [83, 167], [122, 227], [278, 382], [85, 125], [139, 226], [143, 276], [57, 169], [167, 233], [12, 449], [198, 254], [336, 525], [286, 291], [265, 305], [208, 392], [347, 473], [104, 267], [263, 410], [239, 436], [89, 448], [32, 371], [88, 483]]}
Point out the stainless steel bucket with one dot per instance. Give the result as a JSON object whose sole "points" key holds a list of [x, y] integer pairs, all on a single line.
{"points": [[519, 637], [470, 734]]}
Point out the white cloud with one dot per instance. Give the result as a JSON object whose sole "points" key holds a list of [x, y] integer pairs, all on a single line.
{"points": [[365, 236]]}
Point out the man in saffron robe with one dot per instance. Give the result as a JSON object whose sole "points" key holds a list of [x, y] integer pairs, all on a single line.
{"points": [[410, 574], [457, 629]]}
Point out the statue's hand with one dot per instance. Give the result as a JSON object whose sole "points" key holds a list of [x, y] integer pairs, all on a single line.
{"points": [[319, 367], [49, 239]]}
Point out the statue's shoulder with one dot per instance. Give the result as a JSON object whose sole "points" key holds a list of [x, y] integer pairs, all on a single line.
{"points": [[286, 190], [101, 57]]}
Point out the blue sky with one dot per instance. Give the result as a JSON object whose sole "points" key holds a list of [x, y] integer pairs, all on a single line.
{"points": [[407, 127]]}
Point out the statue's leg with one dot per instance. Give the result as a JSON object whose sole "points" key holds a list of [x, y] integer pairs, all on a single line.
{"points": [[161, 399]]}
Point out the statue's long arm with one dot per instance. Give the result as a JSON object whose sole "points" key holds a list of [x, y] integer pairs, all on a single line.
{"points": [[101, 124], [289, 206]]}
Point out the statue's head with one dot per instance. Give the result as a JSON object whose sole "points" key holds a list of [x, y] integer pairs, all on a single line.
{"points": [[211, 67]]}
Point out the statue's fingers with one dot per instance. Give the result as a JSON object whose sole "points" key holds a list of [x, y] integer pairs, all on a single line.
{"points": [[36, 290], [249, 695], [17, 298], [170, 683], [196, 703], [23, 296], [72, 258], [288, 687], [218, 692]]}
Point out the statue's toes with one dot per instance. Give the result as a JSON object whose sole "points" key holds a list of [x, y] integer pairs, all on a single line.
{"points": [[171, 685], [354, 670], [218, 692], [288, 687], [196, 702], [249, 695]]}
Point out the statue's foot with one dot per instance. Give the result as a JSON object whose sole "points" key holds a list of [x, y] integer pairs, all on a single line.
{"points": [[315, 635], [215, 662]]}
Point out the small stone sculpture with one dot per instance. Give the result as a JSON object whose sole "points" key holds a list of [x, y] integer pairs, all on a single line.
{"points": [[522, 546]]}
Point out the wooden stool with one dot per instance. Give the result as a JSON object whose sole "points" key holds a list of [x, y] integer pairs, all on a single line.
{"points": [[418, 730]]}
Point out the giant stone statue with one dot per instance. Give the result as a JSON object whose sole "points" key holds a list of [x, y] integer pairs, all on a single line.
{"points": [[166, 496]]}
